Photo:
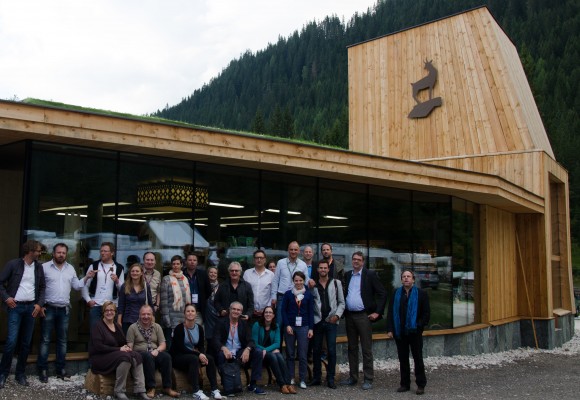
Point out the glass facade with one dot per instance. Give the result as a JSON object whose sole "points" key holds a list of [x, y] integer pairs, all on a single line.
{"points": [[84, 196]]}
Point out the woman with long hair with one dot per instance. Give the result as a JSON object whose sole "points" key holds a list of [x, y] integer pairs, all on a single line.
{"points": [[188, 354], [133, 294], [175, 295], [211, 317], [266, 335], [298, 317]]}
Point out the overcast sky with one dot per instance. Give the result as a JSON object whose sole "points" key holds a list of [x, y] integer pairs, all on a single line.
{"points": [[136, 56]]}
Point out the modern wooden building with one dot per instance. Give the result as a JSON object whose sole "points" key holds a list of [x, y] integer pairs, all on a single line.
{"points": [[449, 172]]}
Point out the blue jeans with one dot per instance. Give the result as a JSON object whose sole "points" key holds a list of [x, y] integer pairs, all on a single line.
{"points": [[55, 318], [277, 364], [300, 337], [323, 330], [254, 362], [20, 325], [95, 314]]}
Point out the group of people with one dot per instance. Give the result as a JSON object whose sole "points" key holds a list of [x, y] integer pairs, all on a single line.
{"points": [[242, 321]]}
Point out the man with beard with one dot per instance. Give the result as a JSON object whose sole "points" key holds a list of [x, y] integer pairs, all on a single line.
{"points": [[22, 288], [198, 285], [60, 278], [327, 313]]}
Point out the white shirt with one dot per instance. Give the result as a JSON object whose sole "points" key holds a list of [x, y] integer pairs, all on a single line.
{"points": [[59, 282], [25, 291], [283, 276], [104, 289], [261, 286]]}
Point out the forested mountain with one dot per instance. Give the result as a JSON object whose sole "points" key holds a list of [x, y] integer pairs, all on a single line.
{"points": [[297, 87]]}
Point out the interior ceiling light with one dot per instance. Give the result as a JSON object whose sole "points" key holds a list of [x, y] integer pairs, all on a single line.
{"points": [[273, 210], [64, 208], [72, 214], [240, 217], [333, 217], [211, 203]]}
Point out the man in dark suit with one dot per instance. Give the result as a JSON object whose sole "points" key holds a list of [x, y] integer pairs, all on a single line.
{"points": [[232, 342], [409, 314], [198, 285], [366, 299], [22, 288]]}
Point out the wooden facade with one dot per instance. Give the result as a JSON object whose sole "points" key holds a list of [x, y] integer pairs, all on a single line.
{"points": [[486, 143], [487, 123]]}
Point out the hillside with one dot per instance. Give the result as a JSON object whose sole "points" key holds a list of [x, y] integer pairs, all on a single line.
{"points": [[297, 87]]}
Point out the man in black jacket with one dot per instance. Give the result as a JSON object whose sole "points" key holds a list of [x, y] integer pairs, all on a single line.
{"points": [[233, 342], [366, 299], [22, 288], [198, 285], [235, 289], [409, 314]]}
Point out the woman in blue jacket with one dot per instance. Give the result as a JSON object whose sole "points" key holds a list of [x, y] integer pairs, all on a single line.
{"points": [[298, 316], [266, 335]]}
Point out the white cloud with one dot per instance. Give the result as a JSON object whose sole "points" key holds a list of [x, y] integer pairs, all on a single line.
{"points": [[138, 55]]}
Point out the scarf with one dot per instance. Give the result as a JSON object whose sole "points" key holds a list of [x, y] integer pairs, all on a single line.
{"points": [[178, 301], [146, 332], [296, 292], [214, 288], [412, 305]]}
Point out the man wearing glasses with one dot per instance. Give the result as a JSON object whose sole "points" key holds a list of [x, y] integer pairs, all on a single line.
{"points": [[366, 299], [235, 289], [22, 287], [260, 278]]}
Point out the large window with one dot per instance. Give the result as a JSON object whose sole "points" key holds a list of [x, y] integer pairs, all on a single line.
{"points": [[461, 267], [142, 203]]}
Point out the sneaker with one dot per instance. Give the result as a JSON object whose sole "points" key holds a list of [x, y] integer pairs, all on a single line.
{"points": [[303, 385], [200, 395], [216, 394], [367, 385], [259, 390]]}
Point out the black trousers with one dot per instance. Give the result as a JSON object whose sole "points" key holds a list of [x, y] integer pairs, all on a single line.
{"points": [[150, 364], [189, 363], [413, 341]]}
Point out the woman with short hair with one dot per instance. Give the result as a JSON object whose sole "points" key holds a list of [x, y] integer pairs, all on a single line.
{"points": [[109, 353]]}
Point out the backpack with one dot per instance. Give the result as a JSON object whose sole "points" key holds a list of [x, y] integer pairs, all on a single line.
{"points": [[231, 377]]}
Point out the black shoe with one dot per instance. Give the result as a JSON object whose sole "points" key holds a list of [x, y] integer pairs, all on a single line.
{"points": [[420, 390], [63, 375], [2, 381], [43, 376], [348, 382], [314, 382], [21, 380], [403, 389], [331, 385]]}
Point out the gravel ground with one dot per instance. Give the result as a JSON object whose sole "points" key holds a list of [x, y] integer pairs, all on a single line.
{"points": [[533, 374]]}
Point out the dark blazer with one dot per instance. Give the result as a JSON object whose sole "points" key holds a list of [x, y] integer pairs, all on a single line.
{"points": [[203, 286], [374, 295], [223, 297], [423, 312], [222, 331], [11, 276], [178, 344]]}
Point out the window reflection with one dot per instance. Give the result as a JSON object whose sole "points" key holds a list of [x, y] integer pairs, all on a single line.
{"points": [[84, 196]]}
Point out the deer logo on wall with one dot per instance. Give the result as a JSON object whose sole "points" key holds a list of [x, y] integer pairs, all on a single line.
{"points": [[423, 109]]}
